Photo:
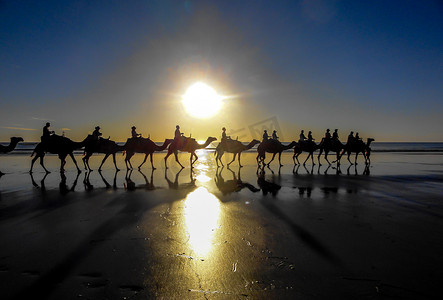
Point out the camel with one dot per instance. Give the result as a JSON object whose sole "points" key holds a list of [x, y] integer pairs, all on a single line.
{"points": [[187, 144], [272, 146], [11, 146], [357, 147], [307, 146], [57, 145], [235, 147], [331, 146], [142, 145], [105, 146]]}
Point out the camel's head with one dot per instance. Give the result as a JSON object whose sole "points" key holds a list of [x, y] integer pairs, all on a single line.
{"points": [[370, 140], [211, 139], [293, 143], [17, 139], [255, 142]]}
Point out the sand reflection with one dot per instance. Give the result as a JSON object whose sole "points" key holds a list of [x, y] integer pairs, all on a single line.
{"points": [[202, 212]]}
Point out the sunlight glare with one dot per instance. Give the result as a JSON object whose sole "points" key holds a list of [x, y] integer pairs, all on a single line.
{"points": [[202, 210], [201, 101]]}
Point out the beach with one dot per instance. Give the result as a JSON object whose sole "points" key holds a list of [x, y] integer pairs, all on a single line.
{"points": [[295, 232]]}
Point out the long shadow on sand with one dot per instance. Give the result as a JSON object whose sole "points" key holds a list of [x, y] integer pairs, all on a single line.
{"points": [[134, 206]]}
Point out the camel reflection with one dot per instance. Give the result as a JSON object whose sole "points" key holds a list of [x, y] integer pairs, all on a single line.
{"points": [[63, 186], [183, 186], [131, 186], [202, 212], [114, 183], [227, 187], [267, 186]]}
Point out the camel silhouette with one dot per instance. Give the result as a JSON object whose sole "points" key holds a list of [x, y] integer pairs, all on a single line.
{"points": [[142, 145], [308, 146], [331, 146], [187, 144], [272, 146], [12, 144], [105, 146], [357, 147], [58, 145], [232, 146]]}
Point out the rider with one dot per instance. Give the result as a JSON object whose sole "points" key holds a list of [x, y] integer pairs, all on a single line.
{"points": [[335, 135], [310, 138], [351, 138], [46, 132], [265, 135], [134, 133], [96, 134], [302, 136], [274, 135], [357, 137], [177, 135], [224, 137]]}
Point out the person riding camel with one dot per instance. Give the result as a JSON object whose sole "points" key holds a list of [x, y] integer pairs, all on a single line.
{"points": [[302, 137], [134, 133], [46, 132], [310, 138], [224, 137], [357, 138], [274, 135], [265, 135], [96, 134], [335, 135], [178, 136], [351, 138]]}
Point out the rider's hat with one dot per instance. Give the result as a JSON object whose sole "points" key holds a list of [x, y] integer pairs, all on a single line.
{"points": [[133, 127], [97, 127], [177, 126], [48, 124], [223, 129], [327, 129]]}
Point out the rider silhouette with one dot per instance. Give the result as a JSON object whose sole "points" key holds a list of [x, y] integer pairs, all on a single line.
{"points": [[335, 135], [96, 134], [302, 136], [265, 135], [310, 138], [46, 132], [357, 137], [274, 135], [351, 138], [134, 133]]}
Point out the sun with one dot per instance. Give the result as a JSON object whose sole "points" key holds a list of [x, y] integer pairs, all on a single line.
{"points": [[202, 101]]}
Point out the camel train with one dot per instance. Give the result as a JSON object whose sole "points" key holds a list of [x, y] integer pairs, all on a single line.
{"points": [[63, 146]]}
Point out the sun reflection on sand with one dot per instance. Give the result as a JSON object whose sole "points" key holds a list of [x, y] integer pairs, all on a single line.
{"points": [[202, 212]]}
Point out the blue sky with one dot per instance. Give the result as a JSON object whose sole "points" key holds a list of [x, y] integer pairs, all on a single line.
{"points": [[368, 66]]}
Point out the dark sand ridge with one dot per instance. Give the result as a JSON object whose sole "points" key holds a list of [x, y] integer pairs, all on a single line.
{"points": [[306, 234]]}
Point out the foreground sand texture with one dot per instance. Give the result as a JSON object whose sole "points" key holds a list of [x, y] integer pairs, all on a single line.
{"points": [[293, 233]]}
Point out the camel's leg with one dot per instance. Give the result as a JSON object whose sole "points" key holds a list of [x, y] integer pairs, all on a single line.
{"points": [[152, 163], [296, 157], [115, 163], [32, 163], [319, 155], [239, 163], [128, 160], [356, 156], [312, 157], [293, 159], [104, 159], [326, 157], [75, 162], [279, 159], [144, 160], [235, 154], [166, 158], [41, 163], [349, 154], [273, 156], [304, 163], [84, 160], [176, 159], [196, 157]]}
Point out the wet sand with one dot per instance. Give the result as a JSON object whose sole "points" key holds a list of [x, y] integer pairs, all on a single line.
{"points": [[290, 233]]}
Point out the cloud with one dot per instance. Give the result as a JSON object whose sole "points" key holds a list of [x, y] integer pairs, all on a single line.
{"points": [[19, 128]]}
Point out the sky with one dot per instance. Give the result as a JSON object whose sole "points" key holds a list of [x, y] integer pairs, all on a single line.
{"points": [[373, 67]]}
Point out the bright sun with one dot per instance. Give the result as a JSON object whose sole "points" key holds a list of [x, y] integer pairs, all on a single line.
{"points": [[201, 101]]}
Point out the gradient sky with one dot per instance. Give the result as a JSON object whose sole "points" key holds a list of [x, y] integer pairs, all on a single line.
{"points": [[369, 66]]}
